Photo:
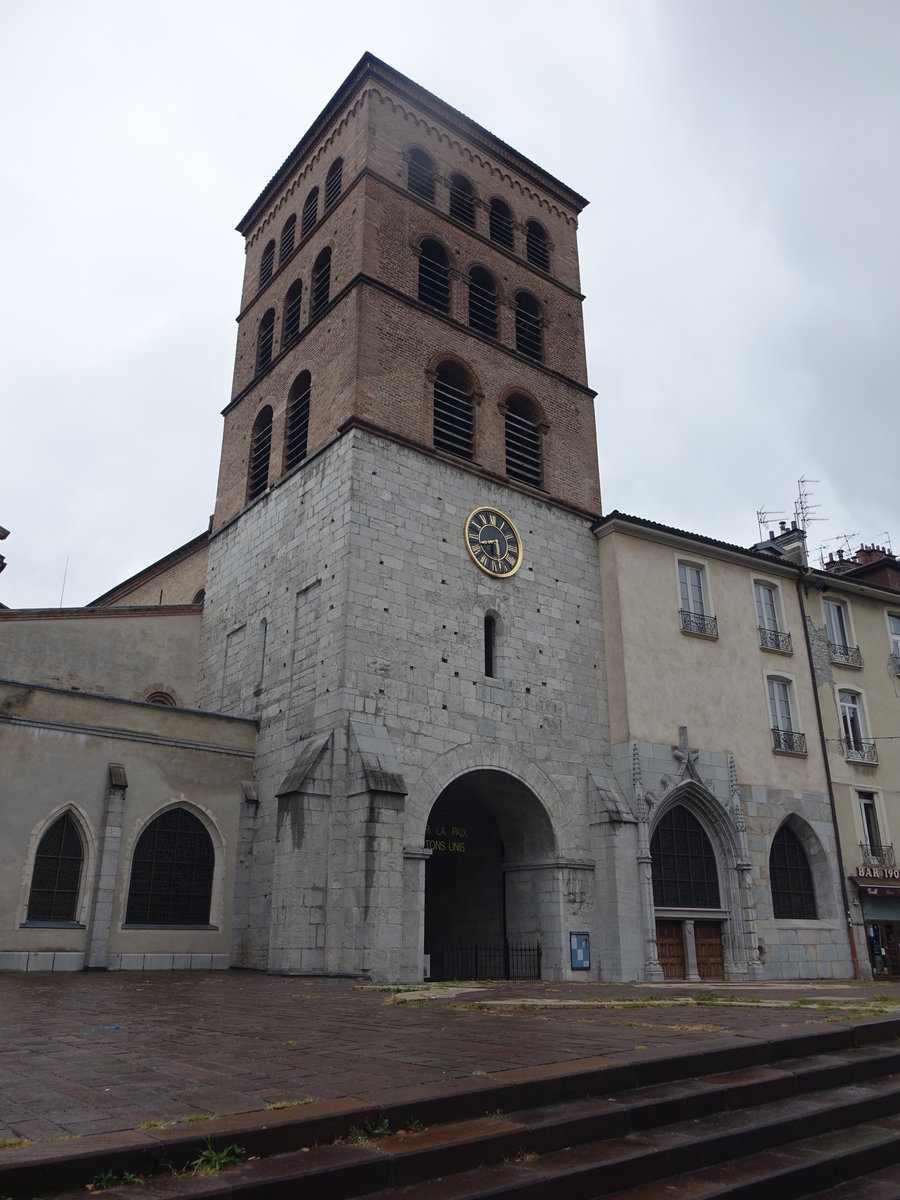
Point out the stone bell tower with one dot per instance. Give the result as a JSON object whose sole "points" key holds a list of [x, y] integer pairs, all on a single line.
{"points": [[402, 586]]}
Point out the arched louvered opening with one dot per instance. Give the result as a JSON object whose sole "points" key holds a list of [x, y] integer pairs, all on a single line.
{"points": [[162, 698], [171, 872], [260, 450], [501, 224], [297, 432], [290, 329], [683, 863], [523, 441], [454, 425], [434, 275], [57, 873], [420, 175], [264, 340], [793, 895], [321, 283], [267, 263], [482, 302], [333, 182], [462, 199], [310, 212], [536, 249], [529, 334], [287, 239]]}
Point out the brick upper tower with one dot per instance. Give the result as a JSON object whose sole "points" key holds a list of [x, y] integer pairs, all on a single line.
{"points": [[408, 271]]}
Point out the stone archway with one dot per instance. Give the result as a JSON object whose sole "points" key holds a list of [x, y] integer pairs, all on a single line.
{"points": [[491, 879]]}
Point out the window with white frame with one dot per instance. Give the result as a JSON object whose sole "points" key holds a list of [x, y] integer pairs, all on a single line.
{"points": [[772, 634], [840, 641], [786, 738], [872, 848], [855, 740], [894, 630], [694, 593]]}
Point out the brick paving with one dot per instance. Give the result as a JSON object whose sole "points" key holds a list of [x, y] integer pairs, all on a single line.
{"points": [[90, 1054]]}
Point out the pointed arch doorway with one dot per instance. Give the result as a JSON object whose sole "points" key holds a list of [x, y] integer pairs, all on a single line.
{"points": [[489, 880]]}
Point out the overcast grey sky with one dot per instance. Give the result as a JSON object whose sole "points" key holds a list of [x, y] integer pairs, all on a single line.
{"points": [[740, 253]]}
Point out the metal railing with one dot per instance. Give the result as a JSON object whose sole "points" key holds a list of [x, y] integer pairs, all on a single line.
{"points": [[875, 855], [699, 623], [846, 656], [506, 960], [789, 742], [859, 751], [774, 639]]}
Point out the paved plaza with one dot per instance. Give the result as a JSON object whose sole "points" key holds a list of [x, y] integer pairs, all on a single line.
{"points": [[89, 1054]]}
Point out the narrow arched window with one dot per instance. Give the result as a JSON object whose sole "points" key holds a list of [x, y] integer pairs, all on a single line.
{"points": [[267, 263], [501, 224], [523, 441], [482, 302], [260, 450], [57, 873], [490, 636], [287, 239], [333, 182], [200, 597], [420, 175], [434, 275], [462, 199], [321, 283], [536, 249], [310, 212], [297, 432], [453, 411], [683, 863], [264, 340], [790, 878], [529, 334], [171, 872], [290, 329]]}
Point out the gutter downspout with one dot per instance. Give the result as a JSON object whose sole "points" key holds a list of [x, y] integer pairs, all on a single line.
{"points": [[837, 836]]}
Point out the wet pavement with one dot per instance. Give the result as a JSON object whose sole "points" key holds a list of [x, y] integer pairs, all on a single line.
{"points": [[92, 1054]]}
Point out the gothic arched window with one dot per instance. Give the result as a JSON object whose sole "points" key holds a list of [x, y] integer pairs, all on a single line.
{"points": [[683, 863], [264, 340], [420, 175], [171, 872], [333, 182], [321, 283], [529, 335], [267, 263], [501, 224], [523, 441], [482, 302], [57, 873], [297, 433], [454, 425], [260, 449], [287, 239], [290, 329], [536, 249], [310, 212], [434, 275], [790, 878]]}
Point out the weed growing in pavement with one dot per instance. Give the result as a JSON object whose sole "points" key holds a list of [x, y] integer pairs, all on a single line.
{"points": [[152, 1123], [13, 1143], [211, 1161], [109, 1179], [197, 1118], [414, 1125], [277, 1105], [377, 1129]]}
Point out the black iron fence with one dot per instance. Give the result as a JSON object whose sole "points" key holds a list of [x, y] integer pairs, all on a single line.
{"points": [[508, 960]]}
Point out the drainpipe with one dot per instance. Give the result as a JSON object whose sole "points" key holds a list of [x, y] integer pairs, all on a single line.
{"points": [[837, 837]]}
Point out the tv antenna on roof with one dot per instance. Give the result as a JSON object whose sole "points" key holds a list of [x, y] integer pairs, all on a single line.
{"points": [[803, 509], [764, 519]]}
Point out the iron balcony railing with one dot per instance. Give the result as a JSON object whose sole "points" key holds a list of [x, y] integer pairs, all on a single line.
{"points": [[846, 656], [875, 855], [859, 751], [789, 742], [774, 639], [699, 623]]}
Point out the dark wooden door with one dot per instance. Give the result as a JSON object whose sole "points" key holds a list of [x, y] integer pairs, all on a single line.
{"points": [[670, 948], [710, 957], [884, 945]]}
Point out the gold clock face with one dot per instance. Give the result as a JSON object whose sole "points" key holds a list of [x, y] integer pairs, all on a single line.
{"points": [[493, 542]]}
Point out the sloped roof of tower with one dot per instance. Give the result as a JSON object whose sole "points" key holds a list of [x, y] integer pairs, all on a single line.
{"points": [[370, 67]]}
